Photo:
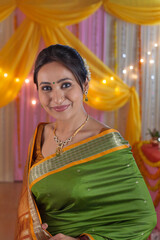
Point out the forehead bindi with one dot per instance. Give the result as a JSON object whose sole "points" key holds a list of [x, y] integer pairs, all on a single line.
{"points": [[59, 81]]}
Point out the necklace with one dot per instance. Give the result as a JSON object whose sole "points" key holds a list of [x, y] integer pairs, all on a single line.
{"points": [[61, 144]]}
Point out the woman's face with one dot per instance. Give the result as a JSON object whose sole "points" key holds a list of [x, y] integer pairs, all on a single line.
{"points": [[59, 93]]}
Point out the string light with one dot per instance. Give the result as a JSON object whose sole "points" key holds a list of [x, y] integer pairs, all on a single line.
{"points": [[17, 79], [131, 67], [34, 102], [151, 61], [26, 80], [152, 77], [134, 76], [112, 78], [124, 55], [104, 81], [5, 74], [149, 53], [124, 71], [156, 45], [141, 60]]}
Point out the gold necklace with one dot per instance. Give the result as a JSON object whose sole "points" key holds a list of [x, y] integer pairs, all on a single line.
{"points": [[61, 144]]}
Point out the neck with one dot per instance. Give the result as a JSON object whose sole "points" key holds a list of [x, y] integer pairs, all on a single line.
{"points": [[65, 129]]}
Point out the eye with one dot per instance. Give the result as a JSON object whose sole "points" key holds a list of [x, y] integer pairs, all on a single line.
{"points": [[46, 88], [66, 85]]}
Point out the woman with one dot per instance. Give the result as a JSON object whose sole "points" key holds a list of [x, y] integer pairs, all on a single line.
{"points": [[81, 180]]}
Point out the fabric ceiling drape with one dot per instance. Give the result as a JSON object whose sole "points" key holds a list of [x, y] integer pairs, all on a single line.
{"points": [[62, 13], [6, 8], [135, 11], [49, 18]]}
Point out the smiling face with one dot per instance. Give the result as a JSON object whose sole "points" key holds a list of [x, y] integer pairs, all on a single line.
{"points": [[59, 93]]}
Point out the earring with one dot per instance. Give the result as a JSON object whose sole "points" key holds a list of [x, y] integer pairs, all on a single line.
{"points": [[86, 98]]}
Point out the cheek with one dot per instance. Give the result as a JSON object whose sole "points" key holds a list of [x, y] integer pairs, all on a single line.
{"points": [[76, 95], [43, 98]]}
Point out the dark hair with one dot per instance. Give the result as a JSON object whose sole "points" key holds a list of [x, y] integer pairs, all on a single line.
{"points": [[65, 55]]}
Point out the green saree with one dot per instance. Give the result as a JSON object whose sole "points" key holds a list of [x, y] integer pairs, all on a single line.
{"points": [[93, 188]]}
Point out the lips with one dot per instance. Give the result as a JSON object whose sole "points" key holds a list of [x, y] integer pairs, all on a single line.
{"points": [[61, 108]]}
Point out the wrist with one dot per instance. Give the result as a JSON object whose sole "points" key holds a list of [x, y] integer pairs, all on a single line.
{"points": [[83, 237]]}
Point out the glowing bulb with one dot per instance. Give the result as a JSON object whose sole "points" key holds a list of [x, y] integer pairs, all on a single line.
{"points": [[134, 76], [149, 53], [26, 80], [34, 102], [151, 61], [156, 45], [124, 71], [141, 60], [131, 67], [17, 79], [152, 77], [124, 55], [5, 74], [112, 78], [104, 81]]}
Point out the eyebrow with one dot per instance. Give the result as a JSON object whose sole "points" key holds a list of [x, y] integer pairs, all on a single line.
{"points": [[61, 80]]}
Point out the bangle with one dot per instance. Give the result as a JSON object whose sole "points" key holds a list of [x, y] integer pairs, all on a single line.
{"points": [[83, 237]]}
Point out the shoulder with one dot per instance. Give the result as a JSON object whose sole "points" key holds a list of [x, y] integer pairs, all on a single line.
{"points": [[112, 135], [44, 128], [44, 125], [96, 126]]}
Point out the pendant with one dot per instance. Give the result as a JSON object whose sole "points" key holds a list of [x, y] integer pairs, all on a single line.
{"points": [[59, 151]]}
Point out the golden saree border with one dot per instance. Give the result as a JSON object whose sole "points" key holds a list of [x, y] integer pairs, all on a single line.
{"points": [[76, 144], [35, 220], [75, 154], [77, 163], [23, 230]]}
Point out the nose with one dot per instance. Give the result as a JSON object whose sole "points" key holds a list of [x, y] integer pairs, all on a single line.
{"points": [[57, 97]]}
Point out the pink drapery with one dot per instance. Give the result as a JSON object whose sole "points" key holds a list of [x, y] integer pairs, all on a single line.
{"points": [[27, 115]]}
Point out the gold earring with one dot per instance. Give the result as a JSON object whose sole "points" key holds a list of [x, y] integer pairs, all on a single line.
{"points": [[86, 98]]}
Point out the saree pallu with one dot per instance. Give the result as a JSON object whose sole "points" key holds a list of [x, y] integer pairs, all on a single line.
{"points": [[94, 188]]}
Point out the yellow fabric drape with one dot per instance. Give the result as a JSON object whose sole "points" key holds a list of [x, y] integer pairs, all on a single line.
{"points": [[145, 12], [16, 59], [6, 8], [61, 13], [49, 18]]}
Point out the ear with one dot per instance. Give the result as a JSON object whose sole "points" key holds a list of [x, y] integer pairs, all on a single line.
{"points": [[86, 85]]}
